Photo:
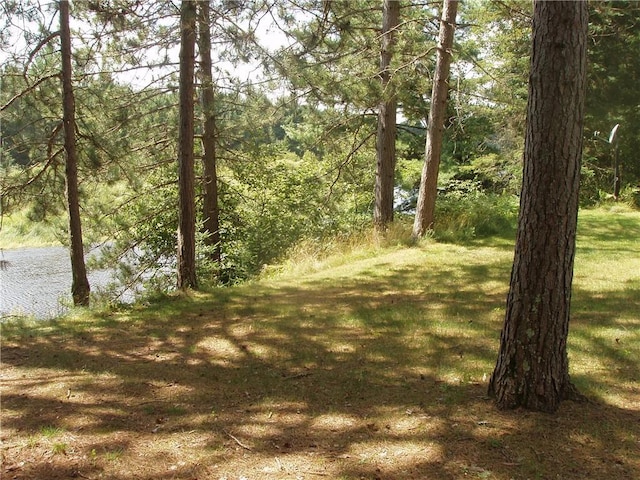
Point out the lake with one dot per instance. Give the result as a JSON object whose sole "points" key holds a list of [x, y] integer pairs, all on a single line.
{"points": [[37, 281]]}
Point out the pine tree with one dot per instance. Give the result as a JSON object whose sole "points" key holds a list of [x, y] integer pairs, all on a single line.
{"points": [[532, 369]]}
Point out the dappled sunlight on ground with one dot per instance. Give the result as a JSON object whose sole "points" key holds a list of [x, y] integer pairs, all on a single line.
{"points": [[375, 370]]}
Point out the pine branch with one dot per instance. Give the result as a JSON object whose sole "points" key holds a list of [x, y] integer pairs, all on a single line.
{"points": [[24, 92]]}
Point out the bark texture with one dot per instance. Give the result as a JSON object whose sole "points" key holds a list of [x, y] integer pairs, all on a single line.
{"points": [[386, 134], [80, 288], [426, 206], [186, 176], [532, 369], [210, 201]]}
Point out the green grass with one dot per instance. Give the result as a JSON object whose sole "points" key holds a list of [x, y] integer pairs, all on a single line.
{"points": [[19, 231], [114, 455], [59, 448], [605, 336], [50, 431], [371, 362]]}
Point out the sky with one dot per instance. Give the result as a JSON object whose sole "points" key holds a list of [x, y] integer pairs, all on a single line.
{"points": [[22, 36]]}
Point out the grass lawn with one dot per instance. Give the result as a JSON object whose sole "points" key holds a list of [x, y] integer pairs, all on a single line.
{"points": [[369, 367]]}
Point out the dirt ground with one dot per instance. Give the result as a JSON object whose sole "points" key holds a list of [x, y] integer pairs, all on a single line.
{"points": [[225, 400]]}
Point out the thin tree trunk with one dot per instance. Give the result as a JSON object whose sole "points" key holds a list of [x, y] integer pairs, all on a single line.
{"points": [[426, 206], [186, 176], [616, 173], [210, 203], [386, 135], [532, 369], [80, 288]]}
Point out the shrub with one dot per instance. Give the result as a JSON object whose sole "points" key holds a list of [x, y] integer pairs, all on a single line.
{"points": [[463, 216]]}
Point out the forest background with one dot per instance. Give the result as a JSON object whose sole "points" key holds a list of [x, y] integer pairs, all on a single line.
{"points": [[296, 88]]}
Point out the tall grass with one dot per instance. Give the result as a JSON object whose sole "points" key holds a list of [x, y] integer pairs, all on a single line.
{"points": [[461, 217], [19, 230], [312, 254]]}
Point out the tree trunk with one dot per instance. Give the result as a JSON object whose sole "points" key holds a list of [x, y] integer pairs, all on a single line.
{"points": [[532, 369], [186, 176], [435, 124], [386, 135], [210, 202], [80, 288]]}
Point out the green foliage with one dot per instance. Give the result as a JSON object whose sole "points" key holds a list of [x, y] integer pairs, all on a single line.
{"points": [[468, 213], [631, 196], [492, 174], [498, 90], [20, 229], [32, 163], [275, 200], [612, 93]]}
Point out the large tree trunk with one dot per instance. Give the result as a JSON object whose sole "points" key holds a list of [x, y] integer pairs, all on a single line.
{"points": [[386, 136], [80, 284], [532, 369], [186, 175], [210, 201], [435, 124]]}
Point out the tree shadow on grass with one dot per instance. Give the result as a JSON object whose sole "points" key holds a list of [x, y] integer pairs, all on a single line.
{"points": [[377, 375]]}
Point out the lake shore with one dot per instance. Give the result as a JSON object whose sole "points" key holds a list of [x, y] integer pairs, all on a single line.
{"points": [[36, 282]]}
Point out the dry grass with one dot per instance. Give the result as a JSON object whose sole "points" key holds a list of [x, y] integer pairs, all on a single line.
{"points": [[372, 369]]}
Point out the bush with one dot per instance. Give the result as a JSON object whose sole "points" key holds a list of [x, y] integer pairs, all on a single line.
{"points": [[492, 173], [471, 215], [631, 196]]}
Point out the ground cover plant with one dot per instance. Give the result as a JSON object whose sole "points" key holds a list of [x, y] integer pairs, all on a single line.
{"points": [[373, 365]]}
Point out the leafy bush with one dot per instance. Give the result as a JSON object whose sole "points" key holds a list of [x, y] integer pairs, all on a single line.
{"points": [[464, 215], [273, 203], [492, 173], [592, 178], [631, 196]]}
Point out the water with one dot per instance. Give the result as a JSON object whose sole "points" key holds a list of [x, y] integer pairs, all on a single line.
{"points": [[37, 281]]}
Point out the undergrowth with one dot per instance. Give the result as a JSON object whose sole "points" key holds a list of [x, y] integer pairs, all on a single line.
{"points": [[461, 217]]}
